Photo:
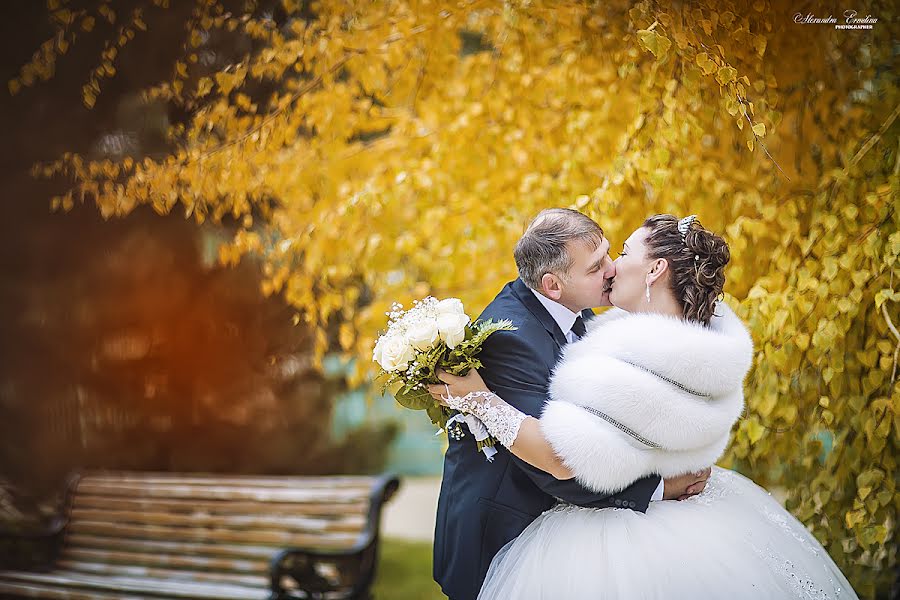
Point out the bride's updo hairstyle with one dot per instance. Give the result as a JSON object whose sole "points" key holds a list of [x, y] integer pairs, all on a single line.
{"points": [[696, 263]]}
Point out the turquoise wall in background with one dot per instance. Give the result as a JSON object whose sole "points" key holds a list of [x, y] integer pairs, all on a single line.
{"points": [[415, 451]]}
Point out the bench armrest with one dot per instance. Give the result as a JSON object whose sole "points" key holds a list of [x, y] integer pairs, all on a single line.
{"points": [[33, 548], [38, 546], [314, 573], [49, 530], [318, 574]]}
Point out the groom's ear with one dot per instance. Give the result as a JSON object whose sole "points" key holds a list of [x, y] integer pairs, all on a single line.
{"points": [[551, 286]]}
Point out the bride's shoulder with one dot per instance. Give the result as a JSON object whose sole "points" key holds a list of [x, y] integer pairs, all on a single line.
{"points": [[595, 341], [606, 317]]}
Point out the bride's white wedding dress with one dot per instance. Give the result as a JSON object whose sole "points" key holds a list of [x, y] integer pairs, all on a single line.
{"points": [[642, 394], [732, 541]]}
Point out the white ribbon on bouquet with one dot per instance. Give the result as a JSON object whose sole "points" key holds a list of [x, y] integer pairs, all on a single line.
{"points": [[479, 432]]}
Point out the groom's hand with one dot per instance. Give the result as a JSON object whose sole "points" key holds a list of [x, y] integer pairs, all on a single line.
{"points": [[685, 486]]}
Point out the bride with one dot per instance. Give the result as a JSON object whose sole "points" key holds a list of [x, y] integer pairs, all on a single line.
{"points": [[654, 387]]}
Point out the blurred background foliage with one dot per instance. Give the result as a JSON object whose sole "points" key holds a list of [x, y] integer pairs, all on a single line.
{"points": [[364, 153]]}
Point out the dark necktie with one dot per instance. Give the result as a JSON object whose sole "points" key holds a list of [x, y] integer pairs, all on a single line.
{"points": [[578, 327]]}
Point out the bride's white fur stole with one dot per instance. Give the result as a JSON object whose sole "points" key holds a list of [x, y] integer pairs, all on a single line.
{"points": [[677, 384]]}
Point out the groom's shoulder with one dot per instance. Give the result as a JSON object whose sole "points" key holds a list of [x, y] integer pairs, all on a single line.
{"points": [[508, 305], [504, 304]]}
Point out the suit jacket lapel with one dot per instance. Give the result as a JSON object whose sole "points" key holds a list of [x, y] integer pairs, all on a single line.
{"points": [[526, 297]]}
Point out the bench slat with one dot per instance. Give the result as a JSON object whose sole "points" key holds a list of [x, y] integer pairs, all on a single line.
{"points": [[206, 534], [220, 492], [180, 589], [220, 507], [33, 590], [316, 482], [353, 523], [258, 566], [170, 575], [170, 547]]}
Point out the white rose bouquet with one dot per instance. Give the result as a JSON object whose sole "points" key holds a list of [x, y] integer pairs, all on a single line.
{"points": [[433, 334]]}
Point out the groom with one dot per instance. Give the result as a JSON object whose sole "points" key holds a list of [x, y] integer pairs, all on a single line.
{"points": [[564, 268]]}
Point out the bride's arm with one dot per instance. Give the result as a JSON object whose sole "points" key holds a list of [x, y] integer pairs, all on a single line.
{"points": [[532, 447], [513, 428]]}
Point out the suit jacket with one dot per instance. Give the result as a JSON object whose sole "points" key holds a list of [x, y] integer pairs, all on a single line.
{"points": [[483, 505]]}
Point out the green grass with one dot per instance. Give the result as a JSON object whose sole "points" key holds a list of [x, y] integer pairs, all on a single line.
{"points": [[404, 572]]}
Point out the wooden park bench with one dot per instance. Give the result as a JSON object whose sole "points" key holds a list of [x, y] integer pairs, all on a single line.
{"points": [[154, 535]]}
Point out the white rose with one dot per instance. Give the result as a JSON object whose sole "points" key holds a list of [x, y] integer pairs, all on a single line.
{"points": [[452, 327], [393, 353], [450, 306], [423, 334], [378, 352]]}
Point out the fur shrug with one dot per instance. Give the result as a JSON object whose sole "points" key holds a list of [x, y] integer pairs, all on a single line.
{"points": [[675, 383]]}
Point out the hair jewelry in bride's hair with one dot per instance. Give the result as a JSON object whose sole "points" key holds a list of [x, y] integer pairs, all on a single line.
{"points": [[684, 225]]}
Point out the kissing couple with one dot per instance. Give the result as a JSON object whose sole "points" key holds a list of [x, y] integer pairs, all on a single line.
{"points": [[603, 487]]}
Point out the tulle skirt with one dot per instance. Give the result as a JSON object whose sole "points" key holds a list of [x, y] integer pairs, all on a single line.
{"points": [[732, 541]]}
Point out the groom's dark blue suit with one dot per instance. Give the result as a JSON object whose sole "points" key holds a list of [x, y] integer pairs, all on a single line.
{"points": [[483, 505]]}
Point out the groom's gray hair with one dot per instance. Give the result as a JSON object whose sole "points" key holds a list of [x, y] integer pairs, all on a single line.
{"points": [[543, 247]]}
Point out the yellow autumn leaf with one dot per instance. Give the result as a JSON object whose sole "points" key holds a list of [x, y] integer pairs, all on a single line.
{"points": [[226, 82], [88, 96], [204, 86], [703, 61], [657, 44], [726, 75], [760, 42], [754, 430]]}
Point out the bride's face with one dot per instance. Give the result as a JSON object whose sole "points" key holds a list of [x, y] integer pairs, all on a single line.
{"points": [[632, 268]]}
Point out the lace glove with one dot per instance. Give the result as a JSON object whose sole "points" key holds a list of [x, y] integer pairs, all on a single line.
{"points": [[501, 420]]}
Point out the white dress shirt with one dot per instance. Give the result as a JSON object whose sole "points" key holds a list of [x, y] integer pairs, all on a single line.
{"points": [[565, 318]]}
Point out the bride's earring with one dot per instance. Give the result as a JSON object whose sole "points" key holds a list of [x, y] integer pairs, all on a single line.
{"points": [[648, 292]]}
